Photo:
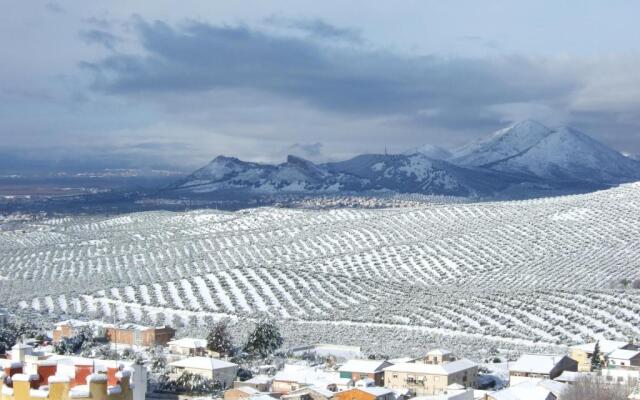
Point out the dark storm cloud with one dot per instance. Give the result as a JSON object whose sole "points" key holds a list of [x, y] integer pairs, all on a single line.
{"points": [[198, 57]]}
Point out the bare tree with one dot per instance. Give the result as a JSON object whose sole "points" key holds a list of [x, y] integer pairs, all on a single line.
{"points": [[596, 388]]}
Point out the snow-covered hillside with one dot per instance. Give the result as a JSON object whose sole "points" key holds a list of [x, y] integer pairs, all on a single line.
{"points": [[504, 275]]}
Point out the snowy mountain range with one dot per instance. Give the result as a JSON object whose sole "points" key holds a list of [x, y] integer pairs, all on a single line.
{"points": [[526, 159]]}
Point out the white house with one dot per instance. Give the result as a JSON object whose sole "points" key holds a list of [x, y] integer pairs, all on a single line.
{"points": [[624, 358], [188, 346], [530, 390], [211, 368], [293, 377], [536, 367]]}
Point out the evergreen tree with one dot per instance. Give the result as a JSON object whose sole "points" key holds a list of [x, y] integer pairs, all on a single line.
{"points": [[219, 339], [596, 363], [264, 339]]}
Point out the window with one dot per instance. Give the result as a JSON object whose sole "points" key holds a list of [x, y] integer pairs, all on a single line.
{"points": [[394, 376]]}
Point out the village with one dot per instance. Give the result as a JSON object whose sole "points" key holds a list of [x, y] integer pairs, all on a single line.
{"points": [[94, 360]]}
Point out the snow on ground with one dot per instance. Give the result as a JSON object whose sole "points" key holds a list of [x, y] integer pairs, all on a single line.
{"points": [[519, 274]]}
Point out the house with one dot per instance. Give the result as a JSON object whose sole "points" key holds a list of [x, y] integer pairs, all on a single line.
{"points": [[571, 377], [70, 328], [536, 367], [242, 392], [126, 334], [137, 335], [529, 390], [366, 393], [261, 383], [624, 358], [294, 377], [361, 369], [621, 375], [437, 356], [423, 379], [246, 392], [453, 392], [210, 368], [584, 352], [309, 393], [188, 347]]}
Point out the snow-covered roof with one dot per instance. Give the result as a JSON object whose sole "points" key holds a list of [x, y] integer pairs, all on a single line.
{"points": [[438, 352], [570, 376], [620, 354], [401, 360], [433, 369], [206, 363], [535, 363], [523, 391], [365, 382], [126, 325], [318, 389], [191, 343], [455, 386], [606, 346], [363, 366], [554, 387], [4, 363], [247, 389], [306, 375], [259, 379], [261, 396]]}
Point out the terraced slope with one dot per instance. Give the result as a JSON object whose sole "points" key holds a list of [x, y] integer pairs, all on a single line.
{"points": [[525, 273]]}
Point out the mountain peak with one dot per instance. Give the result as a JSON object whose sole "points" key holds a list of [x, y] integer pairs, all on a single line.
{"points": [[504, 143], [431, 151]]}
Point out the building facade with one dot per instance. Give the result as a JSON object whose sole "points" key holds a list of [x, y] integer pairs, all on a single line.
{"points": [[538, 367], [423, 379], [583, 353], [364, 369]]}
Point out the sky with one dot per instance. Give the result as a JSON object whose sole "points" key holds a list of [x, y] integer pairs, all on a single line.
{"points": [[166, 84]]}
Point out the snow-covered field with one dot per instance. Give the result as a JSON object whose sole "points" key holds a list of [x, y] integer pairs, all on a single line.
{"points": [[504, 275]]}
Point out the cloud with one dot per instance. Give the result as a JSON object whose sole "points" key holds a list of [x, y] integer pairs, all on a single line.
{"points": [[97, 36], [316, 28], [308, 149], [54, 8], [198, 57]]}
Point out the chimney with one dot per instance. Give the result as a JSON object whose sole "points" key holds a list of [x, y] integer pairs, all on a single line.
{"points": [[97, 386], [59, 387], [21, 386]]}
